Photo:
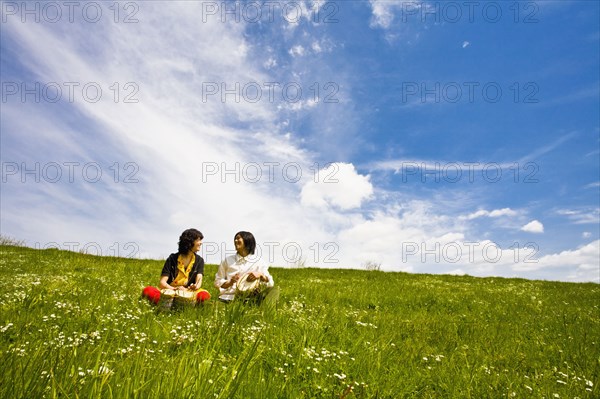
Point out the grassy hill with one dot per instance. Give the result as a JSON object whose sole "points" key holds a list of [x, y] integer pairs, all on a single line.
{"points": [[72, 325]]}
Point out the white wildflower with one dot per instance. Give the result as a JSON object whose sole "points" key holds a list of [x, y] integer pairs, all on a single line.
{"points": [[103, 370]]}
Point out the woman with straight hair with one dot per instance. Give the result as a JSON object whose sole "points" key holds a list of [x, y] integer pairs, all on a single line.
{"points": [[243, 274]]}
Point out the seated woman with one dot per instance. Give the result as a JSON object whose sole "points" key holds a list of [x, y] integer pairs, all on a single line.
{"points": [[242, 273], [181, 276]]}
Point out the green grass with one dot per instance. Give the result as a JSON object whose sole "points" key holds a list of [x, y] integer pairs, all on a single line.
{"points": [[73, 326]]}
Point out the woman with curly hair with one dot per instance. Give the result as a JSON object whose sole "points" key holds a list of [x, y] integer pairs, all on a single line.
{"points": [[181, 276]]}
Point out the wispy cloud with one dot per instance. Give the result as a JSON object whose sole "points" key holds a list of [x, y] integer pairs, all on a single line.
{"points": [[581, 216], [580, 264], [493, 214], [547, 147], [582, 94], [221, 162], [593, 185], [383, 12], [410, 165]]}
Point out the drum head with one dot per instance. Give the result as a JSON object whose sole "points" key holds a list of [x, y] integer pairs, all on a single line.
{"points": [[245, 286]]}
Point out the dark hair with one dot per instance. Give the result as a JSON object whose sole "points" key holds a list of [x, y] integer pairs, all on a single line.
{"points": [[249, 241], [187, 239]]}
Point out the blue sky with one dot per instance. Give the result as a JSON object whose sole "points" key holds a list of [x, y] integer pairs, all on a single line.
{"points": [[427, 137]]}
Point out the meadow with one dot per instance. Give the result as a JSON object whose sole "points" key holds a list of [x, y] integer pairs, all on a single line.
{"points": [[74, 326]]}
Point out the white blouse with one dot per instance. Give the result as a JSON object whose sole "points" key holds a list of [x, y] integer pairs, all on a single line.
{"points": [[234, 264]]}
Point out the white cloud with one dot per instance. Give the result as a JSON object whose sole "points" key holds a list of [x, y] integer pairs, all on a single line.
{"points": [[318, 46], [502, 212], [586, 234], [270, 63], [426, 242], [172, 135], [176, 139], [297, 50], [533, 227], [300, 105], [383, 237], [493, 214], [383, 12], [337, 185], [581, 216], [447, 169], [580, 264]]}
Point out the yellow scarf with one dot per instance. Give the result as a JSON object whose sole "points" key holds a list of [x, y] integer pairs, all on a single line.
{"points": [[183, 273]]}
